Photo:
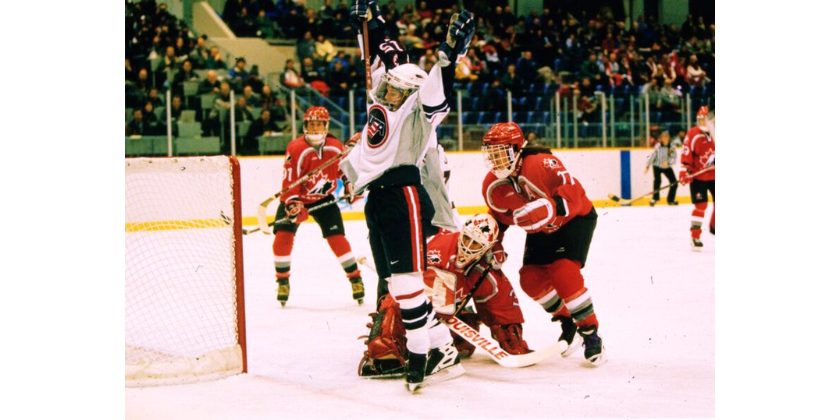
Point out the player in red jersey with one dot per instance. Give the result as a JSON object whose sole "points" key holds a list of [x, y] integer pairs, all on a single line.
{"points": [[699, 153], [456, 261], [304, 154], [531, 188]]}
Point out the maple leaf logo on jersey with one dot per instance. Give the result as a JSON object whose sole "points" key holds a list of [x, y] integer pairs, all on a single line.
{"points": [[550, 163], [321, 185], [433, 256]]}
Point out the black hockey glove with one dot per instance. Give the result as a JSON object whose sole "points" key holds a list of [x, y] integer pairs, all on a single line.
{"points": [[458, 38], [358, 14]]}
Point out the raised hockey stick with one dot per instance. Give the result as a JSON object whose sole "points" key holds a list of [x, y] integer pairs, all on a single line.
{"points": [[488, 345], [262, 221], [627, 202], [256, 229], [366, 53]]}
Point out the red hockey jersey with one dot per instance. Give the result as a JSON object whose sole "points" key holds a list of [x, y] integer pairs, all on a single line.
{"points": [[541, 175], [301, 158], [496, 302], [698, 148]]}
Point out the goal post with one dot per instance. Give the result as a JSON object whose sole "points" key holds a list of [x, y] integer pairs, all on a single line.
{"points": [[184, 288]]}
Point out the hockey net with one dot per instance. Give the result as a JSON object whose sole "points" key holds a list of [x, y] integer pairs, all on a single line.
{"points": [[184, 297]]}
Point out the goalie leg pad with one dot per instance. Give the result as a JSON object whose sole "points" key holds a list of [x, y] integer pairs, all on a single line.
{"points": [[387, 333]]}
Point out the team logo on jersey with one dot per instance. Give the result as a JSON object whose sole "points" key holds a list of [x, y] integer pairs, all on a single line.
{"points": [[377, 126], [551, 163], [321, 185], [433, 256]]}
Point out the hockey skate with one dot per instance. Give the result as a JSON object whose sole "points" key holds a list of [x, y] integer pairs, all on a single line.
{"points": [[652, 203], [443, 363], [283, 291], [712, 230], [696, 245], [594, 347], [415, 372], [568, 335], [380, 369], [358, 289]]}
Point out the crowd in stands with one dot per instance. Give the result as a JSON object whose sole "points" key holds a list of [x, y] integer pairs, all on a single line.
{"points": [[575, 52]]}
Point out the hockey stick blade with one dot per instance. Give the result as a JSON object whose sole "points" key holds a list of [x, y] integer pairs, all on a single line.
{"points": [[492, 348]]}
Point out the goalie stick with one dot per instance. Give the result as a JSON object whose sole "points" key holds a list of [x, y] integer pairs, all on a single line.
{"points": [[262, 222], [488, 345], [228, 221], [627, 202]]}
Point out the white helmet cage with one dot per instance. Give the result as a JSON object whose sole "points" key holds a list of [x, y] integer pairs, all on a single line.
{"points": [[405, 79], [478, 235]]}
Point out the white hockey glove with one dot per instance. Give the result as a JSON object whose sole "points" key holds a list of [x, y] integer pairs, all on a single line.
{"points": [[458, 38]]}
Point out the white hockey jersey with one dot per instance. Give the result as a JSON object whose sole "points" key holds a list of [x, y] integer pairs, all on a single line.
{"points": [[391, 139]]}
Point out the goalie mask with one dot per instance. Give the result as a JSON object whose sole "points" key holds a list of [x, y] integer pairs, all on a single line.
{"points": [[398, 84], [316, 123], [479, 234], [501, 147]]}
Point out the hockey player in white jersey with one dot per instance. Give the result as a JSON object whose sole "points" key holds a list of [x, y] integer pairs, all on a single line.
{"points": [[406, 106]]}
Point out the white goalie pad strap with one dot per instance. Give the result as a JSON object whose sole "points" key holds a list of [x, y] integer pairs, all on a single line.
{"points": [[441, 291]]}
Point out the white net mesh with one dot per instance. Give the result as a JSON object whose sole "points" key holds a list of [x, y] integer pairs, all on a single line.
{"points": [[181, 314]]}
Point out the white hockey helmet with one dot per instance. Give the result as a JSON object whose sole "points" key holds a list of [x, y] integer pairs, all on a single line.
{"points": [[478, 235], [398, 84]]}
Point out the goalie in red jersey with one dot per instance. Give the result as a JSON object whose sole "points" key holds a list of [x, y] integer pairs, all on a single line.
{"points": [[699, 154], [457, 262], [304, 154], [532, 189]]}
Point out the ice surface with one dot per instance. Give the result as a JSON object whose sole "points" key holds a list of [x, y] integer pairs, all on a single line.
{"points": [[654, 296]]}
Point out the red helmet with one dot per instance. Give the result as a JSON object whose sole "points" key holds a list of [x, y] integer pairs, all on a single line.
{"points": [[316, 113], [504, 133], [703, 111], [501, 147]]}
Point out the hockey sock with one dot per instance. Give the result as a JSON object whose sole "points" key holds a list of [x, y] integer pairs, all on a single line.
{"points": [[283, 243], [438, 333], [582, 310], [568, 281], [407, 289], [697, 219], [341, 248]]}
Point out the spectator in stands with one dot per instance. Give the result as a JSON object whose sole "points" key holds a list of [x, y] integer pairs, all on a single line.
{"points": [[590, 69], [215, 60], [170, 64], [310, 73], [695, 75], [242, 111], [265, 125], [143, 83], [238, 75], [424, 11], [155, 98], [339, 80], [210, 84], [251, 98], [266, 28], [306, 47], [342, 57], [355, 66], [428, 59], [291, 77], [245, 25], [465, 70], [200, 52], [213, 124], [186, 73], [325, 51], [511, 81], [526, 67], [271, 102], [136, 127], [153, 126]]}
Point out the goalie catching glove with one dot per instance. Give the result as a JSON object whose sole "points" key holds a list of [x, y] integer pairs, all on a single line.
{"points": [[458, 38]]}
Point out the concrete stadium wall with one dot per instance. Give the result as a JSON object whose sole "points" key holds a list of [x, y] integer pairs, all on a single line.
{"points": [[601, 172]]}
